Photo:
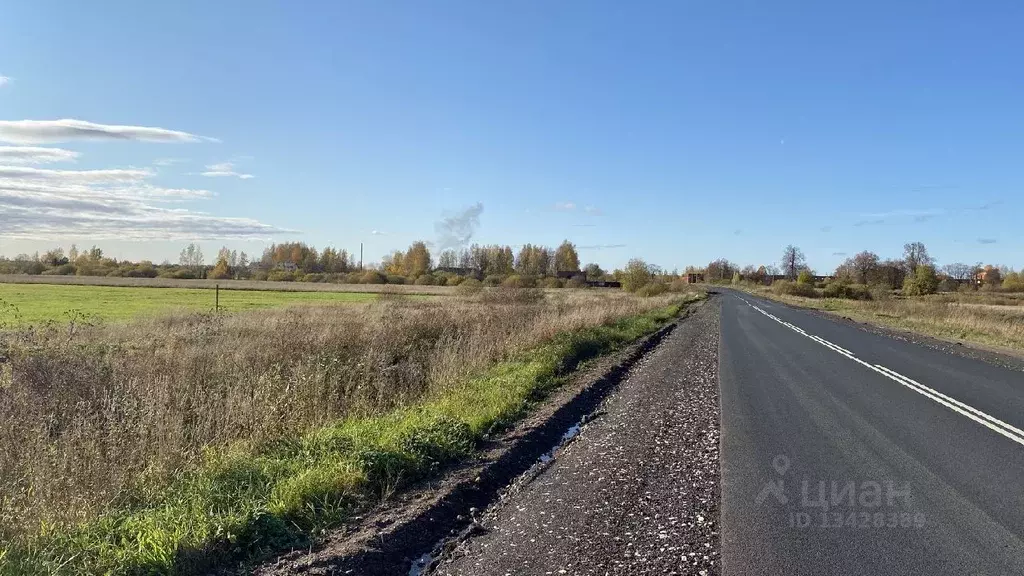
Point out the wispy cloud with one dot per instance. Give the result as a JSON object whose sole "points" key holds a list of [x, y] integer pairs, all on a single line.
{"points": [[565, 206], [164, 162], [224, 169], [839, 253], [987, 240], [592, 210], [35, 155], [74, 176], [600, 246], [584, 225], [114, 203], [4, 80], [378, 233], [64, 130]]}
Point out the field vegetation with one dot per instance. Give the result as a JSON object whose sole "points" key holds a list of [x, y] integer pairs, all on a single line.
{"points": [[178, 442], [23, 304]]}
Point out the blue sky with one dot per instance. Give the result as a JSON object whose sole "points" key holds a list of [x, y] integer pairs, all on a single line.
{"points": [[676, 131]]}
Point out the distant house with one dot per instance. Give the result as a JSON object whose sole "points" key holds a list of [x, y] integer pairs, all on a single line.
{"points": [[694, 277], [604, 284]]}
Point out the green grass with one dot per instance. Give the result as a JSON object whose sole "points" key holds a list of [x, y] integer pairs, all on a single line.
{"points": [[245, 503], [36, 303]]}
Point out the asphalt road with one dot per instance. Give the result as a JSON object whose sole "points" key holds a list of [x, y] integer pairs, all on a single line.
{"points": [[832, 463], [837, 451]]}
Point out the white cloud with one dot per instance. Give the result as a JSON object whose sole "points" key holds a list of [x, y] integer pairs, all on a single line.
{"points": [[74, 176], [592, 210], [116, 203], [222, 169], [377, 233], [566, 206], [35, 155], [164, 162], [4, 80], [49, 131]]}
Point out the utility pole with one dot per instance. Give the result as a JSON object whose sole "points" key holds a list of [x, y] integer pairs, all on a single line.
{"points": [[360, 256]]}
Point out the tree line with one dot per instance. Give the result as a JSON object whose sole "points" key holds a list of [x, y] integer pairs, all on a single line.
{"points": [[915, 273], [487, 265]]}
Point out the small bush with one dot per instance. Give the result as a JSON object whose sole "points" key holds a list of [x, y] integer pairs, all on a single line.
{"points": [[805, 277], [517, 281], [314, 277], [652, 289], [425, 280], [848, 291], [371, 277], [492, 280], [469, 287], [794, 289], [551, 283], [395, 279]]}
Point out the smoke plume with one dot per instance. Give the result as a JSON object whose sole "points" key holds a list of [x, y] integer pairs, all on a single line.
{"points": [[455, 231]]}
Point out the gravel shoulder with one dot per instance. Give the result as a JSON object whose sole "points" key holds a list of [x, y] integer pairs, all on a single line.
{"points": [[636, 492]]}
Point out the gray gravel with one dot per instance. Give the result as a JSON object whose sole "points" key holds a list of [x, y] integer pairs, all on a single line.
{"points": [[637, 492]]}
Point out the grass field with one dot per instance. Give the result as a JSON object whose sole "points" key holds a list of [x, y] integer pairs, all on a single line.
{"points": [[247, 285], [185, 442], [34, 303]]}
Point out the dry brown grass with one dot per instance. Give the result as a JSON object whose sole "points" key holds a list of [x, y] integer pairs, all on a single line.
{"points": [[88, 414], [990, 319]]}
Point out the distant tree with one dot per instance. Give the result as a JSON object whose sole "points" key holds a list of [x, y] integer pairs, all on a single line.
{"points": [[566, 258], [960, 271], [417, 259], [914, 255], [448, 259], [191, 257], [805, 277], [923, 281], [593, 271], [392, 264], [221, 270], [54, 257], [865, 267], [1014, 282], [720, 270], [636, 274], [73, 253], [793, 261], [223, 254], [534, 260], [892, 273]]}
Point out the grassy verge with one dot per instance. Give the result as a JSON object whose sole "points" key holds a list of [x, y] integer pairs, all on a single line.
{"points": [[244, 503], [963, 318]]}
